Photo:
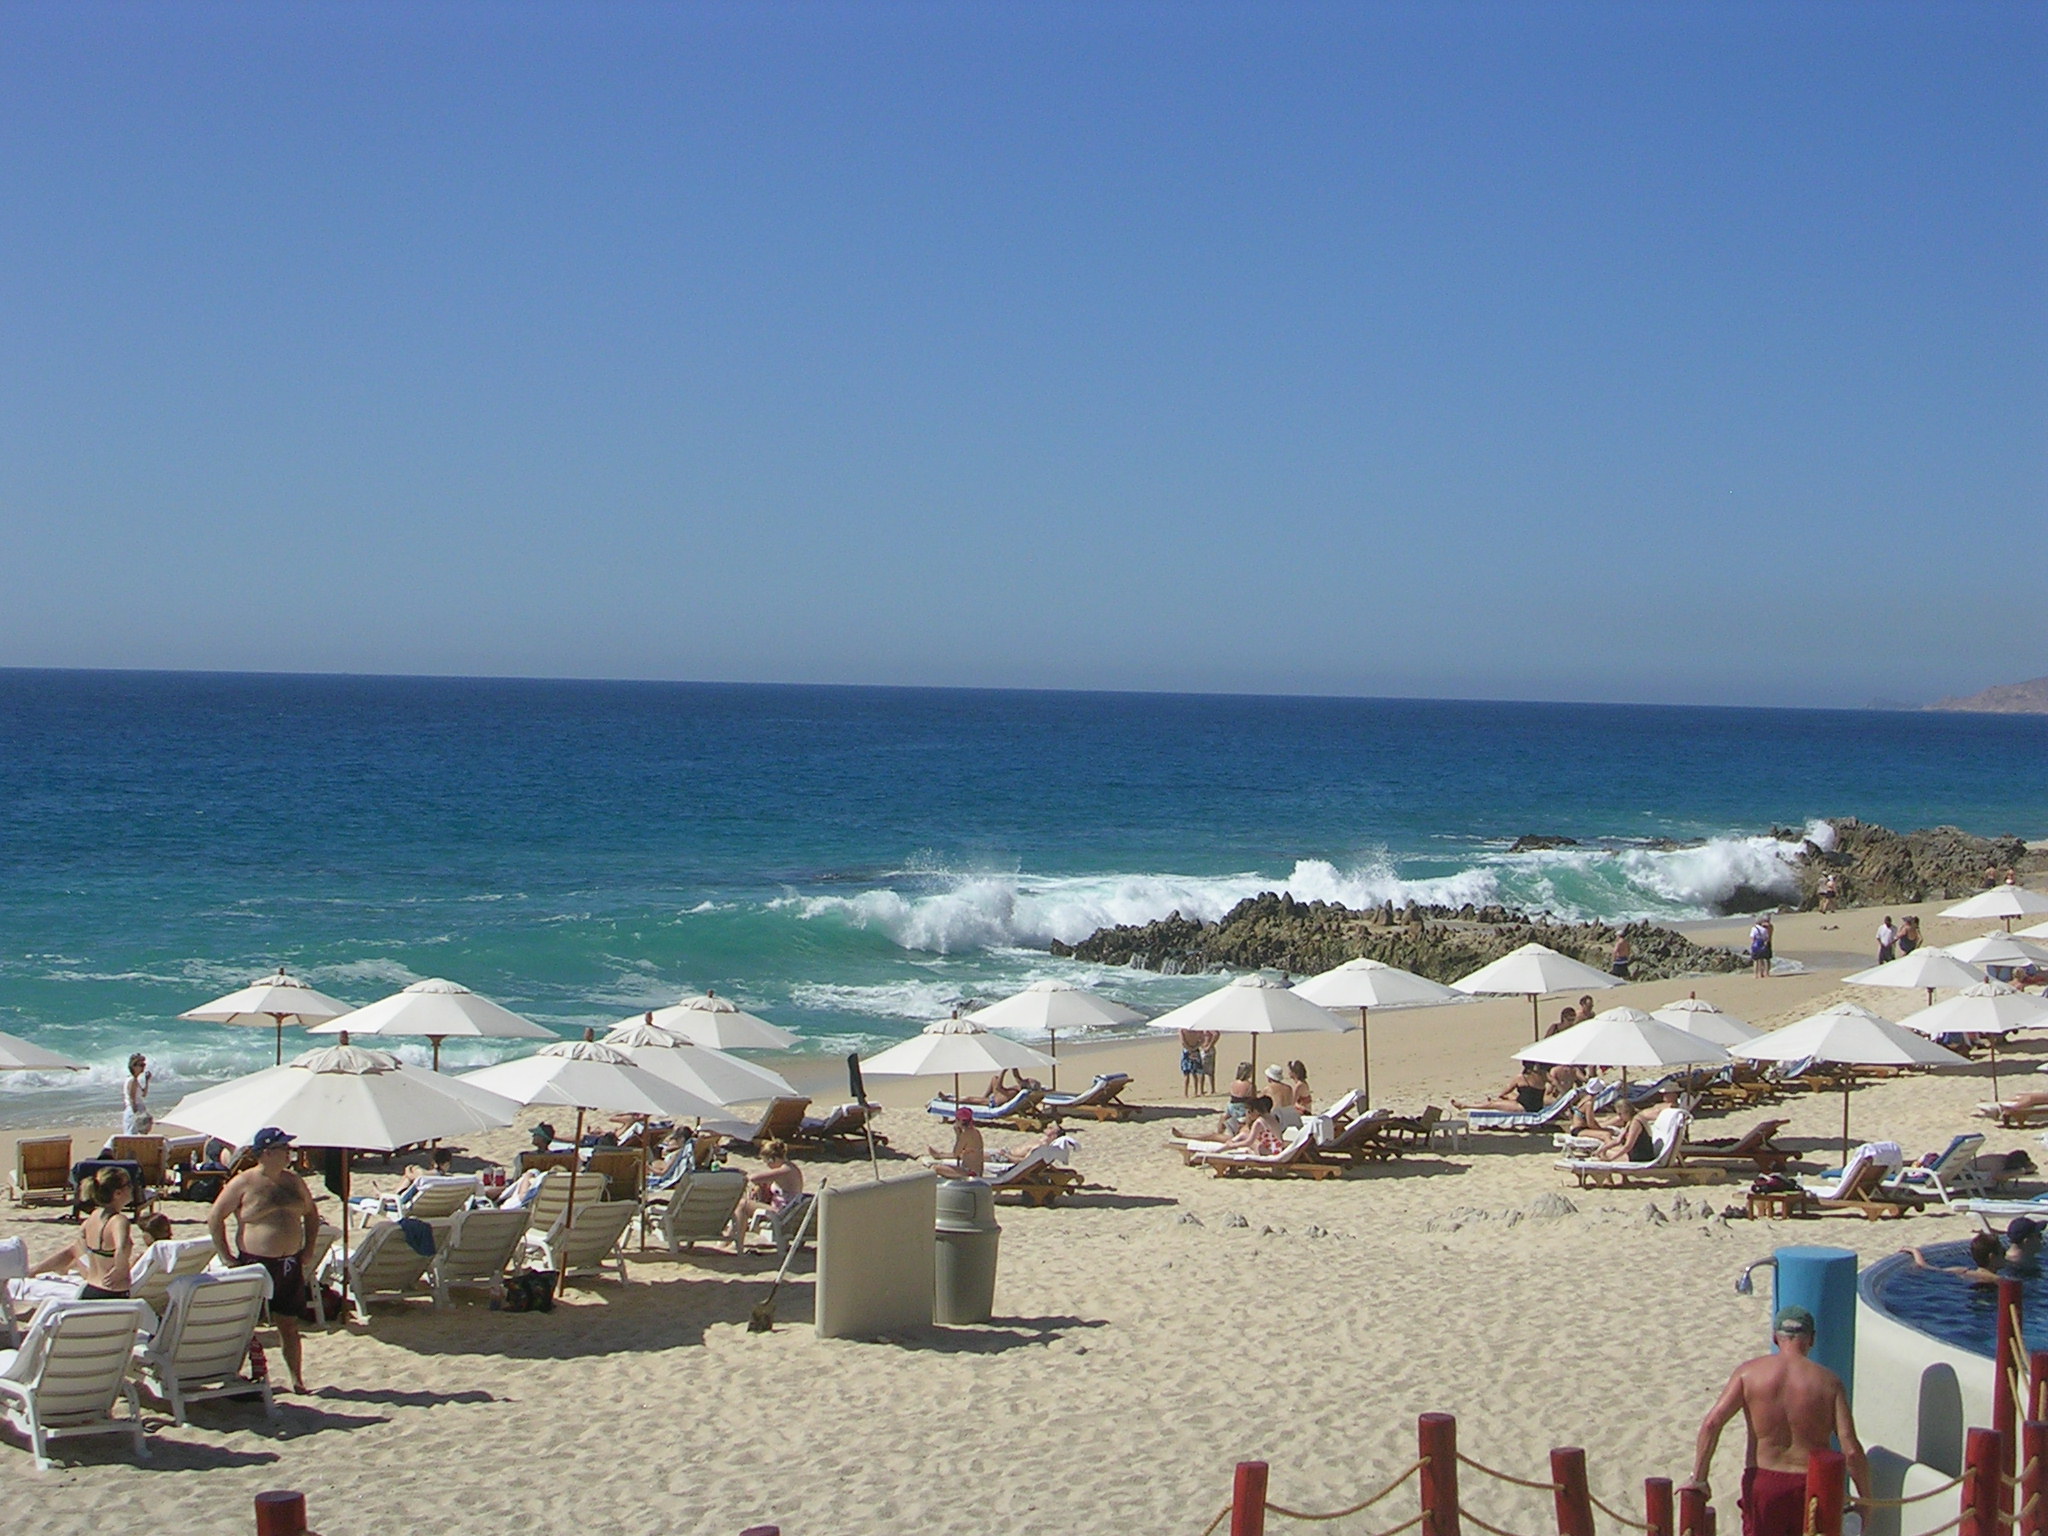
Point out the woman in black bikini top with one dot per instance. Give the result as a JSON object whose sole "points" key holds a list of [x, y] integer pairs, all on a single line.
{"points": [[105, 1249]]}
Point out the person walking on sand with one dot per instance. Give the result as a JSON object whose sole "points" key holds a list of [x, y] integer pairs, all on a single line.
{"points": [[1830, 888], [1909, 936], [278, 1226], [1760, 947], [1887, 939], [1790, 1405], [1190, 1062], [1618, 960], [136, 1120]]}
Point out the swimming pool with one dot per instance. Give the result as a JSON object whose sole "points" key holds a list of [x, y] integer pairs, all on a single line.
{"points": [[1949, 1308]]}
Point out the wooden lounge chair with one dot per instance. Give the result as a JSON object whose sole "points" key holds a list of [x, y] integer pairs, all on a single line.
{"points": [[583, 1249], [42, 1170], [381, 1264], [1858, 1188], [624, 1169], [1667, 1135], [1755, 1148], [699, 1208], [1022, 1110], [1101, 1100], [1364, 1140], [1299, 1159], [1511, 1120], [72, 1365], [1410, 1132], [530, 1160], [152, 1156], [198, 1349], [1037, 1179], [847, 1126], [782, 1120], [2015, 1117], [472, 1250]]}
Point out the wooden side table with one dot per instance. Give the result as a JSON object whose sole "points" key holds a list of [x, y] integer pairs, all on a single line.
{"points": [[1778, 1204]]}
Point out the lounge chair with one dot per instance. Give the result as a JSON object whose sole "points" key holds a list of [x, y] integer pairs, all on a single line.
{"points": [[1411, 1131], [551, 1198], [198, 1349], [1298, 1159], [1022, 1110], [782, 1226], [1038, 1178], [782, 1120], [432, 1198], [72, 1364], [42, 1170], [1951, 1173], [151, 1155], [1514, 1120], [699, 1208], [584, 1248], [1858, 1187], [548, 1161], [1992, 1212], [1364, 1140], [472, 1250], [624, 1170], [848, 1125], [13, 1267], [1099, 1101], [382, 1263], [2015, 1117], [1667, 1136], [1755, 1148], [150, 1277]]}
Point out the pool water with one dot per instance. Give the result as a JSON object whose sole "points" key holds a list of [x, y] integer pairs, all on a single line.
{"points": [[1953, 1310]]}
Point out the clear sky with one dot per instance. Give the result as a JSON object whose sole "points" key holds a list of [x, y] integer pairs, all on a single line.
{"points": [[1632, 351]]}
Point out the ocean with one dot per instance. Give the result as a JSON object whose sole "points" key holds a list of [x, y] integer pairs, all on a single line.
{"points": [[848, 862]]}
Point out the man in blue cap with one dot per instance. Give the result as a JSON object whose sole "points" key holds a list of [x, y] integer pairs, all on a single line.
{"points": [[278, 1227], [1792, 1405]]}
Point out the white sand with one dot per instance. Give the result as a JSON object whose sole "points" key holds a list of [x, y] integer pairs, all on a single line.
{"points": [[1136, 1357]]}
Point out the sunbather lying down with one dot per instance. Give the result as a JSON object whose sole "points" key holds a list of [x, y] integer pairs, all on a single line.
{"points": [[1632, 1143], [2033, 1100], [1524, 1094]]}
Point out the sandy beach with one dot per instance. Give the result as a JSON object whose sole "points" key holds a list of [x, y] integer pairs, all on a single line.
{"points": [[1146, 1337]]}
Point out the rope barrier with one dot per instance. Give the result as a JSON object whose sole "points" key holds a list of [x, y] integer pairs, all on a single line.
{"points": [[1946, 1525], [1222, 1515], [1491, 1530], [1914, 1498], [1519, 1482], [1612, 1513], [1413, 1468]]}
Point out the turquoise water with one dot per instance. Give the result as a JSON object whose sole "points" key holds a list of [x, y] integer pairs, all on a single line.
{"points": [[848, 862]]}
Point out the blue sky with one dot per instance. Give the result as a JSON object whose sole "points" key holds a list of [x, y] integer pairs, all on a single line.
{"points": [[1680, 353]]}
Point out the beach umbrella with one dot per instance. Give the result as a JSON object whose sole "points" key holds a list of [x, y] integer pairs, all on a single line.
{"points": [[2038, 931], [1252, 1005], [1535, 970], [1047, 1007], [588, 1077], [1929, 968], [951, 1047], [1368, 984], [2005, 902], [18, 1055], [271, 1002], [1989, 1008], [1851, 1036], [1999, 949], [1696, 1016], [347, 1098], [440, 1010], [719, 1023], [697, 1069], [1625, 1037]]}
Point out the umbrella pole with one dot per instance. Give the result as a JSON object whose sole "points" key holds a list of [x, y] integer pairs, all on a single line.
{"points": [[1053, 1035], [1848, 1082], [348, 1289], [1535, 1019], [278, 1019], [1365, 1057], [1994, 1066], [575, 1157], [435, 1042]]}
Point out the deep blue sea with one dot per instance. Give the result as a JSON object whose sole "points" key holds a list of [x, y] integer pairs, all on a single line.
{"points": [[849, 862]]}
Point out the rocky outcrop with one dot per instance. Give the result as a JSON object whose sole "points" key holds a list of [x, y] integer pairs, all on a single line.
{"points": [[1873, 865], [2028, 698], [1276, 932]]}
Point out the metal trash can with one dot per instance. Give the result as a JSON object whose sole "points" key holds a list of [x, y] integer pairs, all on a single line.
{"points": [[965, 1283]]}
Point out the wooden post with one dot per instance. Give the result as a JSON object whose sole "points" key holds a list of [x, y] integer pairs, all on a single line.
{"points": [[1657, 1505], [1437, 1440], [1248, 1500], [1694, 1518], [1574, 1501], [281, 1512], [2007, 1388], [2033, 1518], [762, 1530], [1982, 1457], [1827, 1482]]}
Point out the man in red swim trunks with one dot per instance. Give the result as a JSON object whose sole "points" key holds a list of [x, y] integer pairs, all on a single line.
{"points": [[1791, 1405]]}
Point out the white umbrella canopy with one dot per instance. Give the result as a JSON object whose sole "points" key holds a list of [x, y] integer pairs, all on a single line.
{"points": [[1848, 1035], [1047, 1007], [719, 1023], [1999, 949], [951, 1047], [1366, 984], [439, 1010], [584, 1075], [2001, 901], [1625, 1037], [1988, 1008], [1929, 968], [1252, 1005], [270, 1002], [1696, 1016], [2038, 931], [1535, 970], [17, 1055], [709, 1074]]}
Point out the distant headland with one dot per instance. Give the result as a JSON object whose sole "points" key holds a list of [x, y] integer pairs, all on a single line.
{"points": [[2028, 698]]}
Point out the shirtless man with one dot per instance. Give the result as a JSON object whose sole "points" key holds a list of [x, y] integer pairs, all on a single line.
{"points": [[277, 1226], [1791, 1405], [969, 1158]]}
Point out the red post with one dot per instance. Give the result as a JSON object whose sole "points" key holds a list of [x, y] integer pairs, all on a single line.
{"points": [[1574, 1500], [2033, 1477], [1437, 1438], [1248, 1500], [1982, 1457], [1694, 1518], [280, 1512], [2007, 1388], [1827, 1492], [1657, 1505], [2037, 1385]]}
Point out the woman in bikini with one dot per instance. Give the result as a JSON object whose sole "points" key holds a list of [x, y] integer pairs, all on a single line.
{"points": [[1523, 1096], [1304, 1101], [104, 1251]]}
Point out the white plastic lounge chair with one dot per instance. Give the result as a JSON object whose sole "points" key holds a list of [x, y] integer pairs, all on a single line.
{"points": [[173, 1258], [1667, 1135], [1024, 1106], [13, 1267], [1511, 1120], [1297, 1158], [472, 1250], [382, 1263], [429, 1199], [700, 1207], [198, 1350], [72, 1364], [782, 1226], [1953, 1175], [1994, 1212], [587, 1247], [551, 1197], [1098, 1101]]}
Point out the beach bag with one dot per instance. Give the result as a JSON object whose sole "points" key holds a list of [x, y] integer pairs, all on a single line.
{"points": [[531, 1290]]}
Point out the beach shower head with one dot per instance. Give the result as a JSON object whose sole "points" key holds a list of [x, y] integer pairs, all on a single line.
{"points": [[1744, 1286]]}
